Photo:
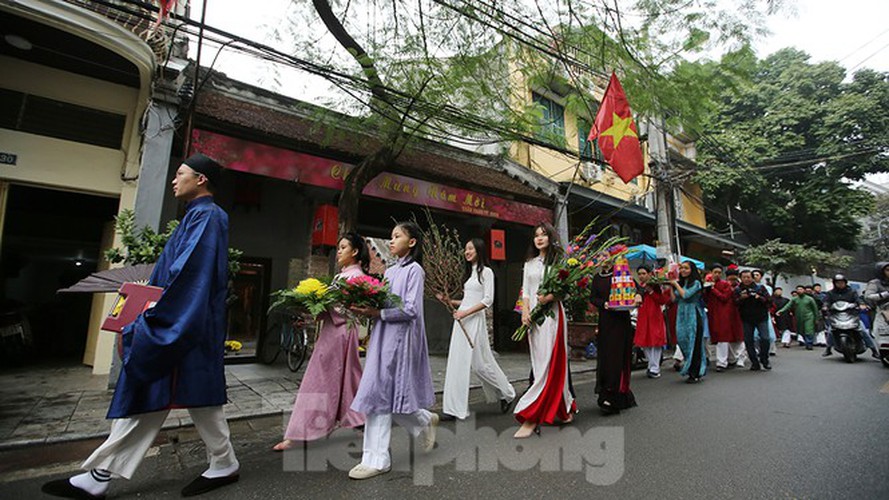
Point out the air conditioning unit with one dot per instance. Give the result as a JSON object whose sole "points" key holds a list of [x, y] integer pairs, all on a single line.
{"points": [[645, 200], [648, 201], [591, 172]]}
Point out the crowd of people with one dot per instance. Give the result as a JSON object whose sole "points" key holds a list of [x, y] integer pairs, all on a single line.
{"points": [[173, 354], [743, 317]]}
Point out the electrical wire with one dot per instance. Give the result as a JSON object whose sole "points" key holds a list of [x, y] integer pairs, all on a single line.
{"points": [[866, 59], [864, 45], [355, 86], [339, 78]]}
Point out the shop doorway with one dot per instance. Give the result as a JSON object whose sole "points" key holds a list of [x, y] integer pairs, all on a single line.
{"points": [[51, 239], [248, 306]]}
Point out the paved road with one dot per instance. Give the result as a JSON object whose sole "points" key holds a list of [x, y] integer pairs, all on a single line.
{"points": [[810, 428]]}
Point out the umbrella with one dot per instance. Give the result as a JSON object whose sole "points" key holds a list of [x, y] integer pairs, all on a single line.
{"points": [[111, 279], [646, 253]]}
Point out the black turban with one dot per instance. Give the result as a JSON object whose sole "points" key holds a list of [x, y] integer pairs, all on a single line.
{"points": [[206, 166]]}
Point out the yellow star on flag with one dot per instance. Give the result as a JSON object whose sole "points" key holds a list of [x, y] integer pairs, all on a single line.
{"points": [[620, 128]]}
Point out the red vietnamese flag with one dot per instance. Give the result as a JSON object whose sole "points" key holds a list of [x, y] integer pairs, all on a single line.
{"points": [[617, 134], [165, 7]]}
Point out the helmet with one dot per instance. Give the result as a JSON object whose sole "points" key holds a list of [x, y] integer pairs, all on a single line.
{"points": [[839, 277]]}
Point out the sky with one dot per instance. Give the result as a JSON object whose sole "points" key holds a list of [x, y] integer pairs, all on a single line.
{"points": [[854, 32], [856, 37]]}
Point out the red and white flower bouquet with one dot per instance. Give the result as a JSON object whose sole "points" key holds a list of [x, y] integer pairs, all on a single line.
{"points": [[364, 291]]}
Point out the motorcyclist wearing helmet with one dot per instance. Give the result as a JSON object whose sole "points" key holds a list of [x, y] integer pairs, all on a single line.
{"points": [[877, 296], [842, 292]]}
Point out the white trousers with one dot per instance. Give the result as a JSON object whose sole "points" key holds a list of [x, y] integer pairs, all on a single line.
{"points": [[654, 358], [131, 437], [461, 360], [786, 337], [378, 432], [729, 352], [677, 354], [711, 349]]}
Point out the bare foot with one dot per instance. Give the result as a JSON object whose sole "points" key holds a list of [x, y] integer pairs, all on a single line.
{"points": [[283, 445], [525, 430]]}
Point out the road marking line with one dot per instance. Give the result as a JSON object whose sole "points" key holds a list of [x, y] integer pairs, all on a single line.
{"points": [[885, 389]]}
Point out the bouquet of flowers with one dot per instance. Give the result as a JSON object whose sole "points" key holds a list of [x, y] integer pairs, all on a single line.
{"points": [[232, 346], [569, 278], [364, 291], [312, 296], [663, 275]]}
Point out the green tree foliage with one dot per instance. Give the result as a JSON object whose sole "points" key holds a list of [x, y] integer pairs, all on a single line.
{"points": [[782, 258], [460, 71], [144, 245], [786, 138]]}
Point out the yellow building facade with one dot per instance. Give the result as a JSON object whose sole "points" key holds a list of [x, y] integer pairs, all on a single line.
{"points": [[559, 123], [54, 148]]}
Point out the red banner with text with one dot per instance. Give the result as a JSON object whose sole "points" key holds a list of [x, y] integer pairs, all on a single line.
{"points": [[270, 161]]}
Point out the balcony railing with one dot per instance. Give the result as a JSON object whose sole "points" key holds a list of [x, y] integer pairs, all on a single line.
{"points": [[136, 19]]}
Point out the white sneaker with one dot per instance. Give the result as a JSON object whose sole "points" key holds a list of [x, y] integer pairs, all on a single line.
{"points": [[429, 433], [362, 471]]}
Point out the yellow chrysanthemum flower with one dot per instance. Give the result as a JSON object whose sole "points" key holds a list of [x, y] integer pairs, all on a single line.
{"points": [[573, 262], [311, 286]]}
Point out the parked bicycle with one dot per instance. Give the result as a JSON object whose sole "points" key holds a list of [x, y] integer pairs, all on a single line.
{"points": [[287, 333]]}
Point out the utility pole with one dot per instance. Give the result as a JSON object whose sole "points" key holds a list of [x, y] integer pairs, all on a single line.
{"points": [[561, 221], [657, 153]]}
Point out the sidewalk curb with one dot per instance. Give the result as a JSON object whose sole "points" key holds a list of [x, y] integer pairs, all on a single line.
{"points": [[10, 446]]}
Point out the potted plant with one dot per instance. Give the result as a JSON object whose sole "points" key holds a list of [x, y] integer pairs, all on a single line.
{"points": [[583, 325]]}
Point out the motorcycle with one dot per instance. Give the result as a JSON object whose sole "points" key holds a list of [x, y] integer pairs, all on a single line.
{"points": [[845, 327], [880, 339]]}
